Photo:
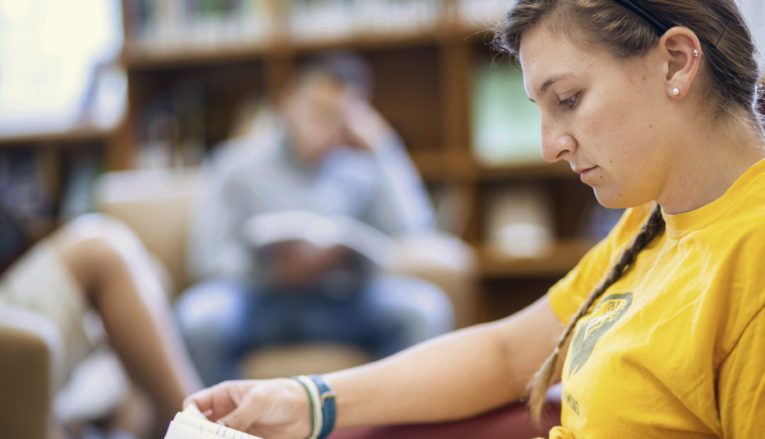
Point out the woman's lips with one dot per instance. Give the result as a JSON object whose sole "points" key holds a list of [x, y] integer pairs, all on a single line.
{"points": [[584, 173]]}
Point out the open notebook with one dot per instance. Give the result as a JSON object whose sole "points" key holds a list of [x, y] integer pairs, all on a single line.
{"points": [[191, 424]]}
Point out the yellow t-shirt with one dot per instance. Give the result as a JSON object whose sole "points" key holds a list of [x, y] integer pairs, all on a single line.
{"points": [[676, 347]]}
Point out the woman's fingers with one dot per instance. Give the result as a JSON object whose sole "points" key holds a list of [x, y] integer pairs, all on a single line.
{"points": [[241, 418], [214, 402]]}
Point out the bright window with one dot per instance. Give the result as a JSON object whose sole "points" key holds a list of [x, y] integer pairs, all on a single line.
{"points": [[48, 50]]}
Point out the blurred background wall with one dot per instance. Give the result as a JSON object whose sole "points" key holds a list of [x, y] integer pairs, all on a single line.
{"points": [[90, 86]]}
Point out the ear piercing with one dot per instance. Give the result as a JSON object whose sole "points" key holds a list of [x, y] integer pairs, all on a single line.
{"points": [[676, 90]]}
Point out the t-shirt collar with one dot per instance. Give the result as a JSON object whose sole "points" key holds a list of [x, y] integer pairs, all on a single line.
{"points": [[682, 223]]}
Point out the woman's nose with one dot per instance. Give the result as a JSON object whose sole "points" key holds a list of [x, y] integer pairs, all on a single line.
{"points": [[556, 145]]}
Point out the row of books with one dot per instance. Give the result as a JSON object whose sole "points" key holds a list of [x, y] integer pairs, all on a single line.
{"points": [[312, 19], [41, 191], [181, 24], [25, 189], [173, 129]]}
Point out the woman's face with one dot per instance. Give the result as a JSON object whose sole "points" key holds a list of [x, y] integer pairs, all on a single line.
{"points": [[608, 118]]}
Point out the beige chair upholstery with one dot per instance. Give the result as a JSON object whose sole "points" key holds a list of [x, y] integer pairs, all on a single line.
{"points": [[30, 351]]}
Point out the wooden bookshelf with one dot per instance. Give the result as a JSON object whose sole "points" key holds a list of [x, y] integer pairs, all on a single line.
{"points": [[40, 164], [562, 257], [524, 171], [53, 138], [423, 80]]}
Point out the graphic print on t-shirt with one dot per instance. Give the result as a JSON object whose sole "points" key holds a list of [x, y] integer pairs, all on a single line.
{"points": [[605, 315]]}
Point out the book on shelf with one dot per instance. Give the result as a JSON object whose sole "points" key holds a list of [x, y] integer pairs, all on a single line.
{"points": [[482, 14], [520, 222], [79, 183], [173, 130], [192, 424], [26, 190], [506, 125]]}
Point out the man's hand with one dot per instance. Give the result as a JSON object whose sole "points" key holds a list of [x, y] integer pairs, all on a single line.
{"points": [[299, 264], [365, 128]]}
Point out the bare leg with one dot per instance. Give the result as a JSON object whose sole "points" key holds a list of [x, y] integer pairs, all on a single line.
{"points": [[116, 274]]}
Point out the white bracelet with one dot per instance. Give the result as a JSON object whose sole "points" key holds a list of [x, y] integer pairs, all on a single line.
{"points": [[315, 401]]}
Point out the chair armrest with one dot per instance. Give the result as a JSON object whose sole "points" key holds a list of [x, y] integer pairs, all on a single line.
{"points": [[444, 260], [30, 349], [156, 204]]}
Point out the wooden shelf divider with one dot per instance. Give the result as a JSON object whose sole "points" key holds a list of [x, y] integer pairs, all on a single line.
{"points": [[562, 258]]}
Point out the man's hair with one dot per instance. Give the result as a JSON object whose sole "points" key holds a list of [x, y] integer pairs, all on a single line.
{"points": [[345, 68]]}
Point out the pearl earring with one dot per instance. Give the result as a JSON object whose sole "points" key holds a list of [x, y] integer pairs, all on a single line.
{"points": [[675, 91], [695, 53]]}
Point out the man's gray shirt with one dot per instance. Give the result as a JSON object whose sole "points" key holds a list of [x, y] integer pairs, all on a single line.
{"points": [[259, 174]]}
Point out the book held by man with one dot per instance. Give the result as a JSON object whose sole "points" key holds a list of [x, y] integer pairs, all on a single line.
{"points": [[318, 230], [191, 424]]}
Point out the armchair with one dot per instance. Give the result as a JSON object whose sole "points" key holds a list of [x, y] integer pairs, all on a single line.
{"points": [[156, 205]]}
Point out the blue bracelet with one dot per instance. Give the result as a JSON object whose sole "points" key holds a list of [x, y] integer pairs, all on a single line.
{"points": [[328, 407]]}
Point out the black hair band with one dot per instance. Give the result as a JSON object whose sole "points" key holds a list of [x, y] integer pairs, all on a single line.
{"points": [[658, 25]]}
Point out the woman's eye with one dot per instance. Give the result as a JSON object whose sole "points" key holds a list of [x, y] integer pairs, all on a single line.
{"points": [[570, 102]]}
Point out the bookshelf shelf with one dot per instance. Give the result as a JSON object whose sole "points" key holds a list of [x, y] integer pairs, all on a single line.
{"points": [[525, 170], [136, 57], [147, 59], [431, 165], [562, 258], [48, 138], [370, 41]]}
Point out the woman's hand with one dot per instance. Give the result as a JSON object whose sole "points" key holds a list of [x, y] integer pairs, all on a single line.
{"points": [[273, 409]]}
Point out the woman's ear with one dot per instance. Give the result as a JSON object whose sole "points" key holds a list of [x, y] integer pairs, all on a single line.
{"points": [[682, 51]]}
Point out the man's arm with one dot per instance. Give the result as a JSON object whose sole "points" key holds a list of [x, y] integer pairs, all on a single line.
{"points": [[401, 205], [215, 247]]}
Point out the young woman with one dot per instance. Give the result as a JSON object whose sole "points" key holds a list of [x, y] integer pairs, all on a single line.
{"points": [[96, 262], [651, 102]]}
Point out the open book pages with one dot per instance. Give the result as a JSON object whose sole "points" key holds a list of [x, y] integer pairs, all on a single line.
{"points": [[191, 424], [320, 230]]}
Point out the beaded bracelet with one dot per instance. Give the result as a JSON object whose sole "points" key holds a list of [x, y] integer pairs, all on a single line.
{"points": [[322, 405]]}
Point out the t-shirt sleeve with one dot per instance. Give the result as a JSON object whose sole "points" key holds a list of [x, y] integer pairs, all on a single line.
{"points": [[568, 294], [741, 384]]}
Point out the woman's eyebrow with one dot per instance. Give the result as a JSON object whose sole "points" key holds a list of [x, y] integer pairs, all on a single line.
{"points": [[550, 81], [553, 80]]}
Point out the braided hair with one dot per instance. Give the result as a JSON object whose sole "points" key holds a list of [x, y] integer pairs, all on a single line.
{"points": [[542, 379]]}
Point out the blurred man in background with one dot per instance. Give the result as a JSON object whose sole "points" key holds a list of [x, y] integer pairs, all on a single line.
{"points": [[326, 151]]}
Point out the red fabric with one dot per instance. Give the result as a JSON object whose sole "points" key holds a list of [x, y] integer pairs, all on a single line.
{"points": [[510, 422]]}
